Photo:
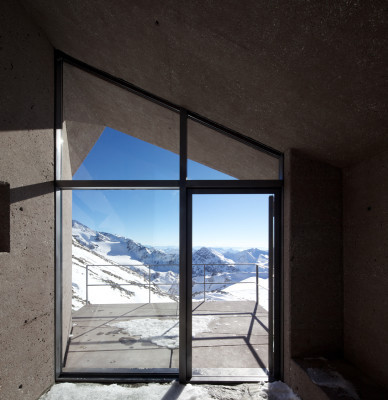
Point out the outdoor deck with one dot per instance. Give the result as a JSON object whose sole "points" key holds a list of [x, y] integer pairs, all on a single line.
{"points": [[233, 343]]}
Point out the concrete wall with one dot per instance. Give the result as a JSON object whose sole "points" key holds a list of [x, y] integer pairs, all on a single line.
{"points": [[26, 163], [292, 74], [366, 265], [313, 317]]}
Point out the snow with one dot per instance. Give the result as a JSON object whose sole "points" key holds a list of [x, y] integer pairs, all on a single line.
{"points": [[241, 291], [118, 248], [207, 255], [120, 267], [173, 390], [280, 391], [162, 332], [248, 256], [109, 272], [333, 380]]}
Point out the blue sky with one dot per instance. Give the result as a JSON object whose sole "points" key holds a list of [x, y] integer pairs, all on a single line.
{"points": [[117, 155], [152, 216]]}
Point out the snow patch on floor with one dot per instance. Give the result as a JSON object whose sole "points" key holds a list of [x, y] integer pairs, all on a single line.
{"points": [[279, 391], [200, 324], [162, 332], [331, 379], [152, 391], [174, 390]]}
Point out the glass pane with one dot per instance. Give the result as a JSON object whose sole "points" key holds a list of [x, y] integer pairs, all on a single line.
{"points": [[121, 292], [110, 133], [230, 285], [212, 155]]}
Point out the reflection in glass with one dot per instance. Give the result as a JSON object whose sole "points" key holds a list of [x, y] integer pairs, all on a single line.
{"points": [[125, 157], [123, 287], [212, 155], [110, 133]]}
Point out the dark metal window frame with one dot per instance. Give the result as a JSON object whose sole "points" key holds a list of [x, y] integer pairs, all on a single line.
{"points": [[186, 189]]}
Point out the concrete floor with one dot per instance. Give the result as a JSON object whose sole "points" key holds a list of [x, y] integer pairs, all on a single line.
{"points": [[236, 343]]}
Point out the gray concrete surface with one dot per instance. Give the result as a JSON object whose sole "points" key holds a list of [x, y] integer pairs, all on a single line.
{"points": [[313, 313], [27, 164], [290, 74], [238, 339], [353, 380], [366, 265], [313, 261], [293, 75]]}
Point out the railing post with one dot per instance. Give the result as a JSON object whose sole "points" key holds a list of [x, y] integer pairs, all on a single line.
{"points": [[257, 284], [204, 283], [149, 284], [87, 282]]}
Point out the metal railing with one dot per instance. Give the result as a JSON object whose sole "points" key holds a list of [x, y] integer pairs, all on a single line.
{"points": [[153, 267], [133, 266]]}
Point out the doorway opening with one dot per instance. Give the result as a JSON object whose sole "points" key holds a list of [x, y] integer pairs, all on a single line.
{"points": [[168, 239], [232, 271]]}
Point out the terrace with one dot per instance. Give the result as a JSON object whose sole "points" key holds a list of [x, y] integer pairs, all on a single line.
{"points": [[230, 337]]}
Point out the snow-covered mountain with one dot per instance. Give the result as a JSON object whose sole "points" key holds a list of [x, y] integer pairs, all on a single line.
{"points": [[210, 256], [121, 283], [115, 246], [205, 256], [133, 272], [121, 265], [248, 256]]}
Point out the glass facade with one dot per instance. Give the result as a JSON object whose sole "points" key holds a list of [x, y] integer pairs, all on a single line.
{"points": [[142, 229], [215, 156], [124, 253], [111, 134]]}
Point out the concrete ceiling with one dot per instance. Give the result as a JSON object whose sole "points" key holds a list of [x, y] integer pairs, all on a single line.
{"points": [[292, 74]]}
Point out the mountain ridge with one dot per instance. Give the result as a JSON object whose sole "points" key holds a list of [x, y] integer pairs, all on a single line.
{"points": [[150, 255], [126, 270]]}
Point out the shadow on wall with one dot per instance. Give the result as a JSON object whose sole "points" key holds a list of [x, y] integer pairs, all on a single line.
{"points": [[30, 191]]}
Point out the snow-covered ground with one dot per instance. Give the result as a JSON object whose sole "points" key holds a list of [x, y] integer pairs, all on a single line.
{"points": [[109, 272], [162, 332], [128, 272], [173, 391], [244, 290]]}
